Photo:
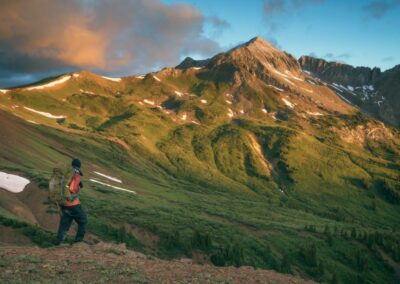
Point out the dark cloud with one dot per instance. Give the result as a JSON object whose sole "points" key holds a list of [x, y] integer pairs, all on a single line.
{"points": [[120, 36], [276, 11], [377, 9]]}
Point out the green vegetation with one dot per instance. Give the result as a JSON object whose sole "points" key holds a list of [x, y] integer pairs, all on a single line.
{"points": [[249, 191]]}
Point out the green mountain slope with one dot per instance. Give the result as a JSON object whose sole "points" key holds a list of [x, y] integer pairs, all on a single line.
{"points": [[242, 158]]}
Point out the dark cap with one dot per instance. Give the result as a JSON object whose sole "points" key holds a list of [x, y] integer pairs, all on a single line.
{"points": [[76, 163]]}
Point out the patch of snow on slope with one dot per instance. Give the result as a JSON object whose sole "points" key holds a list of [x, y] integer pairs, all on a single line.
{"points": [[112, 79], [311, 82], [3, 91], [307, 90], [230, 113], [51, 84], [184, 116], [33, 122], [368, 87], [155, 77], [336, 86], [197, 68], [179, 94], [276, 88], [242, 111], [307, 72], [195, 122], [140, 77], [351, 88], [148, 102], [228, 102], [203, 101], [264, 110], [46, 114], [108, 177], [289, 104], [13, 183], [76, 75], [115, 187], [86, 92], [314, 113], [279, 73], [287, 80], [344, 98]]}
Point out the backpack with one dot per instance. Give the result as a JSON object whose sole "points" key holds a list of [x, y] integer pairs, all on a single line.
{"points": [[58, 191]]}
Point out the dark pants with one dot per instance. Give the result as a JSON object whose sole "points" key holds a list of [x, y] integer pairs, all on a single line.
{"points": [[68, 214]]}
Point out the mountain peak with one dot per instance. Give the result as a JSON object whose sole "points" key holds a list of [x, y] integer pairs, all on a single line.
{"points": [[257, 43]]}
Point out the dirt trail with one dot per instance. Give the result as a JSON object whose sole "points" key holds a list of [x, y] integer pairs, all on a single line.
{"points": [[108, 263]]}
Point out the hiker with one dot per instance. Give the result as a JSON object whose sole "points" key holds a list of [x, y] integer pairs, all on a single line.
{"points": [[72, 209]]}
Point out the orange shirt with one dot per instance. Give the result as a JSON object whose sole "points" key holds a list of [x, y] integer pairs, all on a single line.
{"points": [[74, 188]]}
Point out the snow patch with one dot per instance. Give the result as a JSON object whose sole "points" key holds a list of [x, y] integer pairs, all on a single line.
{"points": [[228, 102], [203, 101], [344, 98], [149, 102], [311, 82], [242, 111], [184, 116], [108, 177], [140, 77], [264, 110], [195, 122], [351, 88], [155, 77], [276, 88], [86, 92], [13, 183], [289, 104], [307, 90], [307, 72], [197, 68], [230, 113], [33, 122], [314, 113], [51, 84], [3, 91], [287, 80], [46, 114], [112, 79], [336, 86], [179, 94], [112, 186], [76, 75]]}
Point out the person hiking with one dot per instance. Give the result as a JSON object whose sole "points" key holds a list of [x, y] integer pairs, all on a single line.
{"points": [[72, 209]]}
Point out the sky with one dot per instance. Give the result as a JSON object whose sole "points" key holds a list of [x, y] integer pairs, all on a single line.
{"points": [[42, 38]]}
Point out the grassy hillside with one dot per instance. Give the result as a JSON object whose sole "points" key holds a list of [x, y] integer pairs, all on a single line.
{"points": [[290, 194]]}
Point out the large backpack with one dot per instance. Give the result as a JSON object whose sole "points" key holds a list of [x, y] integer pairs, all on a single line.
{"points": [[58, 191]]}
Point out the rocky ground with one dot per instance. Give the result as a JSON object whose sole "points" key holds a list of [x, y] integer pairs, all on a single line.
{"points": [[108, 263]]}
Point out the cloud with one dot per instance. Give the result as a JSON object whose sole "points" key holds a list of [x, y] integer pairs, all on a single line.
{"points": [[333, 57], [275, 11], [377, 9], [388, 59], [120, 36]]}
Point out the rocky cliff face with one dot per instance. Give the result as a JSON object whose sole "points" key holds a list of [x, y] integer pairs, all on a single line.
{"points": [[374, 92], [340, 73]]}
